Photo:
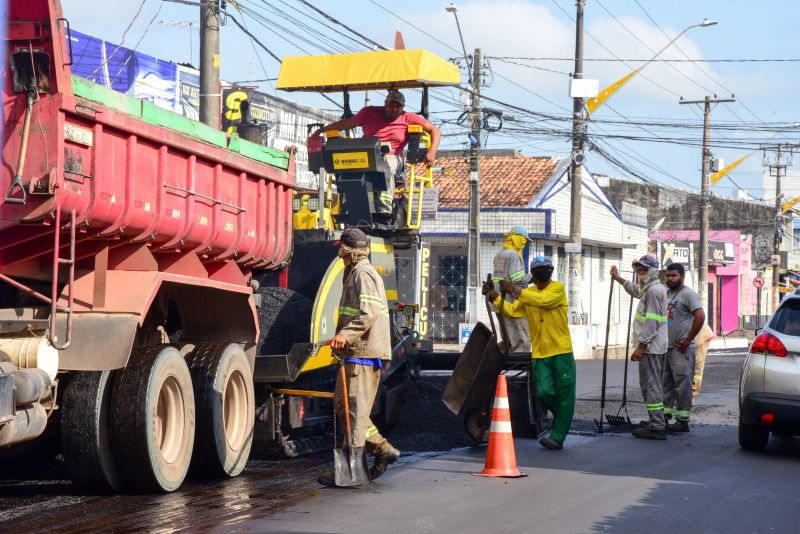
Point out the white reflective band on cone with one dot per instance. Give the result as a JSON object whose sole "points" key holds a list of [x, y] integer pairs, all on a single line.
{"points": [[501, 402], [501, 427]]}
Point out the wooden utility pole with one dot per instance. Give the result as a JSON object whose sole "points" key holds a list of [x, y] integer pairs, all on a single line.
{"points": [[574, 246], [777, 168], [473, 238], [209, 65], [702, 271]]}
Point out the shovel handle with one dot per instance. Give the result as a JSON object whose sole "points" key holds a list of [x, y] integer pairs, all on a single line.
{"points": [[346, 401]]}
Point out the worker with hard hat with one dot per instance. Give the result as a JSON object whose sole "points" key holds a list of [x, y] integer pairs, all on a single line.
{"points": [[544, 304]]}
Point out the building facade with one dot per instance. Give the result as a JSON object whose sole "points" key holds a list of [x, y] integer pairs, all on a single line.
{"points": [[534, 193]]}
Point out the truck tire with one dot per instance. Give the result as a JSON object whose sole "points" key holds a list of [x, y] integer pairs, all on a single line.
{"points": [[85, 421], [225, 408], [152, 428]]}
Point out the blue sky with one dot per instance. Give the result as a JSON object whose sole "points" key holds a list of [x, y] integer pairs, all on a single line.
{"points": [[503, 29]]}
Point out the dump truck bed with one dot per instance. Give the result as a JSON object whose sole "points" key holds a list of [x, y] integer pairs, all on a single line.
{"points": [[135, 172]]}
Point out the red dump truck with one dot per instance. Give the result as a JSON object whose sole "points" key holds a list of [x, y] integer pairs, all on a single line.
{"points": [[150, 315], [128, 239]]}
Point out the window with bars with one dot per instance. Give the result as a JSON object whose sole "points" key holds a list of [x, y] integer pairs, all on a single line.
{"points": [[453, 277]]}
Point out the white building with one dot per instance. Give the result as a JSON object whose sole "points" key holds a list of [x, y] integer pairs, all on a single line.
{"points": [[533, 192]]}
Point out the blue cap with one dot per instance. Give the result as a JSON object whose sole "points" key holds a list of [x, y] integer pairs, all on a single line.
{"points": [[541, 261], [519, 230]]}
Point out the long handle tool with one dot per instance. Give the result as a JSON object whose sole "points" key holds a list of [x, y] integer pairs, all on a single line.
{"points": [[350, 464], [605, 361], [618, 420]]}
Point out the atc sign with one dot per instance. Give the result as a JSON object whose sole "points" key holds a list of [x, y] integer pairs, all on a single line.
{"points": [[675, 252]]}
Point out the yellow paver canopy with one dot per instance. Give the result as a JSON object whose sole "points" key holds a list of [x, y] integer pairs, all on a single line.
{"points": [[366, 70]]}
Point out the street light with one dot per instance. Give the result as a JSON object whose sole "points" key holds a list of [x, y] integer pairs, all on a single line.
{"points": [[452, 8], [593, 103]]}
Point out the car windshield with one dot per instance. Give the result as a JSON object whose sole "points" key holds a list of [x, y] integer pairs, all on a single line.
{"points": [[787, 319]]}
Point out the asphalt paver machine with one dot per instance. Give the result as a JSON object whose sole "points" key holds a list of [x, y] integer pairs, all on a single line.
{"points": [[294, 364]]}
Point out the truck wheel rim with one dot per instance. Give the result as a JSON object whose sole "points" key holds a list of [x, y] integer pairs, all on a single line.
{"points": [[169, 420], [235, 410]]}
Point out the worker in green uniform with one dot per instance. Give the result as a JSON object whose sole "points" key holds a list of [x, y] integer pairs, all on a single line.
{"points": [[545, 306]]}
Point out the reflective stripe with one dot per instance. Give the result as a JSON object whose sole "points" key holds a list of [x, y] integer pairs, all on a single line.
{"points": [[364, 297], [371, 431], [386, 197], [496, 278], [501, 402], [372, 299], [683, 413], [667, 411], [501, 427], [654, 316], [698, 377], [353, 312], [654, 407], [517, 276]]}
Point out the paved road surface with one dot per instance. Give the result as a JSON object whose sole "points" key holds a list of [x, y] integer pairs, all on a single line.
{"points": [[700, 482], [600, 483]]}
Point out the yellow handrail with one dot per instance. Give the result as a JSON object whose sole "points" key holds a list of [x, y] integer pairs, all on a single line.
{"points": [[417, 184]]}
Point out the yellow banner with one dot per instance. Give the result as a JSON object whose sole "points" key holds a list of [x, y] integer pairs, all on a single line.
{"points": [[594, 103], [786, 206], [717, 176]]}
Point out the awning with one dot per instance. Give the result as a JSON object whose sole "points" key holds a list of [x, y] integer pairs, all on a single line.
{"points": [[366, 70]]}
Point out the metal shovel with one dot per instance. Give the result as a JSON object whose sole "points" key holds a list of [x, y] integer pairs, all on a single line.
{"points": [[350, 463]]}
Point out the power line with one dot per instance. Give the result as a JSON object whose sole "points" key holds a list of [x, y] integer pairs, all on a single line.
{"points": [[348, 28], [645, 60], [599, 3], [122, 40]]}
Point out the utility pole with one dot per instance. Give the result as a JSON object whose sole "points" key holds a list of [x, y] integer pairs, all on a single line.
{"points": [[702, 274], [473, 239], [574, 246], [209, 65], [777, 168]]}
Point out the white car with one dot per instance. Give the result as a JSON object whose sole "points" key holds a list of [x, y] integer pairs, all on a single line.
{"points": [[769, 392]]}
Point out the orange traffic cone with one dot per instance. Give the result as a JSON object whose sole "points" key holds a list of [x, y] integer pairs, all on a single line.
{"points": [[500, 458]]}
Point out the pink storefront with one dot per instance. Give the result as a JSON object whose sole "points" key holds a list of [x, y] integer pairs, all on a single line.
{"points": [[731, 294]]}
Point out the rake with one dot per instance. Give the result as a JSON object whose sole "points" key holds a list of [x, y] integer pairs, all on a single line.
{"points": [[618, 420]]}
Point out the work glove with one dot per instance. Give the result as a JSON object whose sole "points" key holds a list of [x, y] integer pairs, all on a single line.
{"points": [[506, 286], [486, 288]]}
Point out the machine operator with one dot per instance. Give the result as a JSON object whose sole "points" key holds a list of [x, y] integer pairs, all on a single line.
{"points": [[390, 124]]}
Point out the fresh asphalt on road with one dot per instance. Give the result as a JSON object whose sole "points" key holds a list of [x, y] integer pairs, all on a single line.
{"points": [[700, 482]]}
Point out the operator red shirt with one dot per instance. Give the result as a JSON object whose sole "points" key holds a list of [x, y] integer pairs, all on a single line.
{"points": [[374, 124]]}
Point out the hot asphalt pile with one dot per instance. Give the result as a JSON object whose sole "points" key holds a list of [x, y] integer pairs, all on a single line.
{"points": [[426, 424], [284, 318]]}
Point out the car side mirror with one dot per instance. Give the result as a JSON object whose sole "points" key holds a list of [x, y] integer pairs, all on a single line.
{"points": [[758, 330]]}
